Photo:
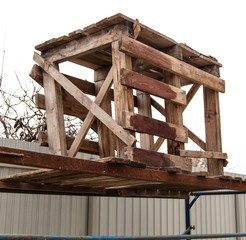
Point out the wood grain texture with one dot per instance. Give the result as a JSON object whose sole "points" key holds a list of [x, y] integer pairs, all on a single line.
{"points": [[143, 124], [152, 86], [152, 56], [201, 154]]}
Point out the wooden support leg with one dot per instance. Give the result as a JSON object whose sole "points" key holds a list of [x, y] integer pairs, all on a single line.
{"points": [[174, 111], [212, 124], [123, 96], [144, 108], [105, 136], [54, 115]]}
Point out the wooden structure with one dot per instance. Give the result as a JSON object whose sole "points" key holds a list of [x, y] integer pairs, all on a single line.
{"points": [[126, 55]]}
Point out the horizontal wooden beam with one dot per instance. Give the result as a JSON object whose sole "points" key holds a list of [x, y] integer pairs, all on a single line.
{"points": [[143, 124], [85, 100], [159, 59], [86, 147], [152, 86], [201, 154], [82, 46], [158, 160], [44, 160]]}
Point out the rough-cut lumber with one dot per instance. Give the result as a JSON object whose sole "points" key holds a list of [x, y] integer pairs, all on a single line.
{"points": [[144, 108], [54, 116], [106, 138], [90, 117], [152, 56], [157, 144], [197, 140], [193, 90], [212, 124], [201, 154], [158, 160], [143, 124], [152, 86], [85, 101], [86, 147], [123, 96], [83, 46], [174, 112]]}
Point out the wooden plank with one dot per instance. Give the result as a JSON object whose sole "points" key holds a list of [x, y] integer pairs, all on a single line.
{"points": [[174, 112], [86, 147], [90, 117], [212, 124], [44, 160], [201, 154], [123, 96], [158, 160], [106, 138], [83, 46], [159, 59], [54, 116], [197, 140], [85, 101], [144, 108], [152, 86], [142, 124]]}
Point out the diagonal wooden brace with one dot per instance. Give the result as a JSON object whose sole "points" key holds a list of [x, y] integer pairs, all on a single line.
{"points": [[108, 121]]}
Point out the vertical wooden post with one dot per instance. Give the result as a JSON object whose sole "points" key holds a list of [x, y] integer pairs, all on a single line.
{"points": [[105, 136], [212, 124], [144, 108], [55, 116], [174, 112], [123, 96]]}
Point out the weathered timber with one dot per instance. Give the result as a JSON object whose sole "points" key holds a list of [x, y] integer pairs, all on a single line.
{"points": [[106, 139], [212, 124], [197, 140], [143, 124], [152, 86], [159, 59], [158, 144], [86, 147], [201, 154], [158, 160], [123, 96], [90, 117], [54, 115], [174, 112], [85, 101], [84, 45], [193, 90], [144, 108]]}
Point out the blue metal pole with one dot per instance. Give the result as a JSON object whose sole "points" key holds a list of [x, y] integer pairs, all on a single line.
{"points": [[195, 236], [187, 215], [217, 192]]}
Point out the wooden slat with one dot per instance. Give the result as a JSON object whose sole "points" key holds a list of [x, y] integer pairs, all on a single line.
{"points": [[158, 160], [200, 154], [142, 124], [85, 101], [152, 56], [152, 86], [86, 147]]}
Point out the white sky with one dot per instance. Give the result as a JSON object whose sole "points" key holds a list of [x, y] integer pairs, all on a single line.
{"points": [[212, 27]]}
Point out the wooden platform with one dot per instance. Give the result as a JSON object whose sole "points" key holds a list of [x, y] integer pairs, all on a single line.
{"points": [[104, 177]]}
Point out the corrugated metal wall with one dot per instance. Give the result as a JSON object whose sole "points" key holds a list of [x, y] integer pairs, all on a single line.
{"points": [[73, 215], [40, 214]]}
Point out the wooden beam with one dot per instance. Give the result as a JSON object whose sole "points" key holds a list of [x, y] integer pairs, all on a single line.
{"points": [[87, 146], [50, 161], [212, 124], [83, 46], [85, 101], [159, 59], [158, 107], [152, 86], [197, 140], [158, 160], [54, 115], [143, 124], [192, 92], [158, 144], [123, 96], [106, 139], [201, 154], [70, 107]]}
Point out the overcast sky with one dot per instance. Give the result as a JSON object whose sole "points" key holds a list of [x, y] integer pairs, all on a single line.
{"points": [[211, 27]]}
